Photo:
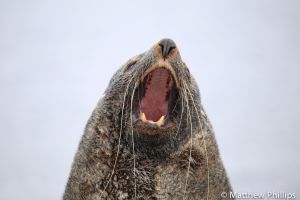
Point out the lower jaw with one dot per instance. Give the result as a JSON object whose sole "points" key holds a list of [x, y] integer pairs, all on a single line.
{"points": [[147, 139], [149, 128], [152, 144]]}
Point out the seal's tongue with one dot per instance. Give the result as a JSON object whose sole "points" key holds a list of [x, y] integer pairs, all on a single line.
{"points": [[155, 102]]}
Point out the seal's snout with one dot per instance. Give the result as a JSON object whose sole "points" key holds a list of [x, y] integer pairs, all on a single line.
{"points": [[167, 45]]}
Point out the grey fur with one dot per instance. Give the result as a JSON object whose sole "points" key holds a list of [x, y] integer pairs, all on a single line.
{"points": [[164, 166]]}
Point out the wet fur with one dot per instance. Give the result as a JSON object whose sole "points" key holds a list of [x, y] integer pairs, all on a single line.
{"points": [[115, 161]]}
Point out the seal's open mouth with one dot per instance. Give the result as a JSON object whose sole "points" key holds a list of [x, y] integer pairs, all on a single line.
{"points": [[158, 97]]}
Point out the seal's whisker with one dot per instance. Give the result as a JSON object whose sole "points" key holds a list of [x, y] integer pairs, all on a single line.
{"points": [[119, 139], [182, 109], [191, 140], [203, 139], [174, 106], [132, 138]]}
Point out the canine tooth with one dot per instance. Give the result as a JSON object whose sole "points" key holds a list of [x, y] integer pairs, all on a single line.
{"points": [[143, 117], [160, 121]]}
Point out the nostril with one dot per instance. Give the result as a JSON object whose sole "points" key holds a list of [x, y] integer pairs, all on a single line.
{"points": [[166, 46]]}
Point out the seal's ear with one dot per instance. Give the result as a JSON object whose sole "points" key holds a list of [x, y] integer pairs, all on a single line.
{"points": [[130, 63]]}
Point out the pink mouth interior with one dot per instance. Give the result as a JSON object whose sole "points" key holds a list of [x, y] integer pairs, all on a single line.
{"points": [[155, 102]]}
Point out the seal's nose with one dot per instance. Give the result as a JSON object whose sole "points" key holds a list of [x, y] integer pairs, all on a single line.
{"points": [[166, 46]]}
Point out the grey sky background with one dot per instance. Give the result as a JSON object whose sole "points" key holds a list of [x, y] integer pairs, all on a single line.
{"points": [[56, 58]]}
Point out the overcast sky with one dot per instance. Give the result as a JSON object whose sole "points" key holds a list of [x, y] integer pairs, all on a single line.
{"points": [[56, 58]]}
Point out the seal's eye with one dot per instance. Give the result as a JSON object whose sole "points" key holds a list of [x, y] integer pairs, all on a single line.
{"points": [[130, 64], [187, 70], [188, 73]]}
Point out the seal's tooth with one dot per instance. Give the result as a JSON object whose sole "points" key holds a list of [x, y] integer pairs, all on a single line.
{"points": [[143, 117], [160, 121]]}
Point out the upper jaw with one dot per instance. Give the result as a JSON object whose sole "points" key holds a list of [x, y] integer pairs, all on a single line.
{"points": [[162, 64]]}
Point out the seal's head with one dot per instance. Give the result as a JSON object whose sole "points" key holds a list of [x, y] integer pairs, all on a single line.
{"points": [[153, 98]]}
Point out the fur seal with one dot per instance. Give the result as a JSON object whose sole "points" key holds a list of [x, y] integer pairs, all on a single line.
{"points": [[149, 136]]}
